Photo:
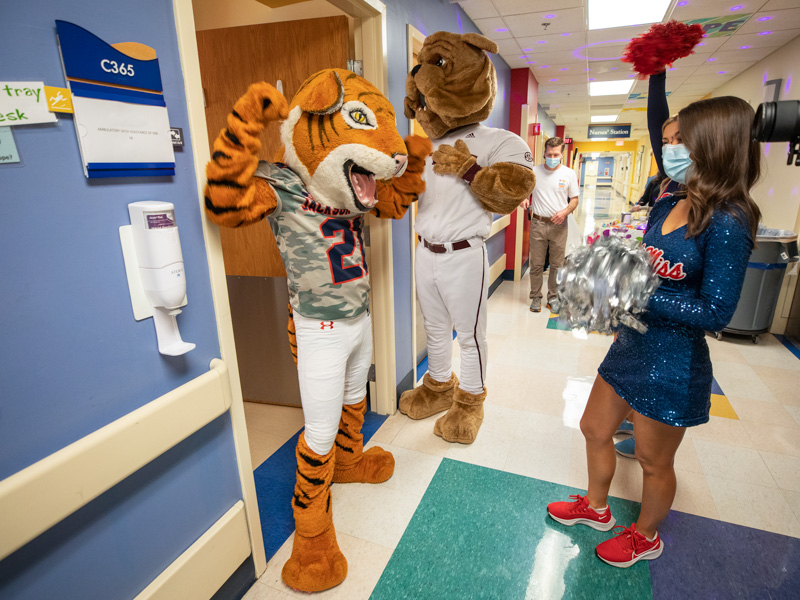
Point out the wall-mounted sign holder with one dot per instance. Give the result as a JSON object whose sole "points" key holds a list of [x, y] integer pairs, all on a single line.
{"points": [[120, 115]]}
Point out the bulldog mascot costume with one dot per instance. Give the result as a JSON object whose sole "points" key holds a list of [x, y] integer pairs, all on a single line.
{"points": [[474, 171], [342, 157]]}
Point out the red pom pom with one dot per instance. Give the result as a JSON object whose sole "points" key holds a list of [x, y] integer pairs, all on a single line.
{"points": [[662, 45]]}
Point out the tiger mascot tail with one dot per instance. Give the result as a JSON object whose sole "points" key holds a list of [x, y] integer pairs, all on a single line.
{"points": [[342, 157]]}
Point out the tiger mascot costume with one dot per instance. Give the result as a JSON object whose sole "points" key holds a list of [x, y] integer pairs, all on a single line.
{"points": [[342, 157]]}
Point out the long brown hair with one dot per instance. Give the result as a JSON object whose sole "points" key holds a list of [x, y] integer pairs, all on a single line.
{"points": [[726, 161]]}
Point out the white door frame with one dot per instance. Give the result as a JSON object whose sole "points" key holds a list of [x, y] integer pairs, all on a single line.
{"points": [[371, 47]]}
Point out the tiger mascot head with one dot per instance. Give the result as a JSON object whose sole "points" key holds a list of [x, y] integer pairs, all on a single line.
{"points": [[340, 137]]}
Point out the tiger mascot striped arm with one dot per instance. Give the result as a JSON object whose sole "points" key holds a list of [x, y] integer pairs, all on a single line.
{"points": [[233, 197]]}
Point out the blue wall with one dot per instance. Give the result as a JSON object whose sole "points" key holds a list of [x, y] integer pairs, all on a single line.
{"points": [[73, 357], [427, 16]]}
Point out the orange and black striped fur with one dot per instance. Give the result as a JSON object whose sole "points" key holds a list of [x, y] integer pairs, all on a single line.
{"points": [[339, 136]]}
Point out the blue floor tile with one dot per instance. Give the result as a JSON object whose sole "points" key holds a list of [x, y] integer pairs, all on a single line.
{"points": [[709, 559], [275, 478]]}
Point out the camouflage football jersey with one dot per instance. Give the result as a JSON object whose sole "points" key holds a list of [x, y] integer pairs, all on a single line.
{"points": [[322, 249]]}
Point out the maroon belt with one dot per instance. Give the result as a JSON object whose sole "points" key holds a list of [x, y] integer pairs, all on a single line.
{"points": [[441, 248]]}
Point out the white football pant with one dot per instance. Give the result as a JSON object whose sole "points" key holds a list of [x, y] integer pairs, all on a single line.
{"points": [[452, 288], [333, 359]]}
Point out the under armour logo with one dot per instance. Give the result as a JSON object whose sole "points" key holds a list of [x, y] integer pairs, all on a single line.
{"points": [[470, 135], [323, 325]]}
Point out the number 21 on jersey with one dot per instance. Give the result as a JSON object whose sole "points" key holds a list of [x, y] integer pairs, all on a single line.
{"points": [[346, 234]]}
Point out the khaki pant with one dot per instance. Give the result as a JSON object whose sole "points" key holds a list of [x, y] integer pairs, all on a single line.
{"points": [[544, 234]]}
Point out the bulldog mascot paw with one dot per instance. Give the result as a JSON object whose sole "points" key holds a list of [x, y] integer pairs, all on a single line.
{"points": [[474, 171], [342, 158]]}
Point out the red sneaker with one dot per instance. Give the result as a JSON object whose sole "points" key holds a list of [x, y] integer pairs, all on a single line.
{"points": [[628, 547], [579, 511]]}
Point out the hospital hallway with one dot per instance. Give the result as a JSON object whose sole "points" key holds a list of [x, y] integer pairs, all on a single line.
{"points": [[461, 521]]}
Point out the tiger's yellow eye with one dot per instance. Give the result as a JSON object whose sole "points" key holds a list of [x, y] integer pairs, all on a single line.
{"points": [[359, 117]]}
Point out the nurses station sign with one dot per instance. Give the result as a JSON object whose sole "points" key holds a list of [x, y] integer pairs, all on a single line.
{"points": [[120, 115]]}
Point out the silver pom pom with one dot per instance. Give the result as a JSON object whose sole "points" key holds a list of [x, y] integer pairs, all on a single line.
{"points": [[606, 284]]}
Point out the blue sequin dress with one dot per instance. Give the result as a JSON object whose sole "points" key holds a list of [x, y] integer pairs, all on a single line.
{"points": [[665, 374]]}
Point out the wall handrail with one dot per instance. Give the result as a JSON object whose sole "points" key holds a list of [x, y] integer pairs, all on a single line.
{"points": [[39, 496]]}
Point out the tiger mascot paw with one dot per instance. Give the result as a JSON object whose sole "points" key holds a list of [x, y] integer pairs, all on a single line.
{"points": [[261, 104]]}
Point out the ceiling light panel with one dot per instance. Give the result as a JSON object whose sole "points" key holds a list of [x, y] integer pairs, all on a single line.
{"points": [[604, 118], [610, 88], [604, 14]]}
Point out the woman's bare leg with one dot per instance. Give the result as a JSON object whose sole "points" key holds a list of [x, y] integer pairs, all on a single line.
{"points": [[603, 415], [656, 445]]}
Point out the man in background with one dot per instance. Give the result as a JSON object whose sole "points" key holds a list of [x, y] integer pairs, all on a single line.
{"points": [[554, 198]]}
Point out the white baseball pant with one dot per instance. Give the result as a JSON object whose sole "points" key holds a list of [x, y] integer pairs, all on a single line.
{"points": [[333, 359], [452, 288]]}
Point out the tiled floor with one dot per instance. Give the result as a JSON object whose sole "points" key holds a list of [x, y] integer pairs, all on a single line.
{"points": [[469, 521]]}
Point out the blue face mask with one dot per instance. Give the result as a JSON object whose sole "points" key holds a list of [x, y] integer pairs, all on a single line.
{"points": [[552, 162], [676, 162]]}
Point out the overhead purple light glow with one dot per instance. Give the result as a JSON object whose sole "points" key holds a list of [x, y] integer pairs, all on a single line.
{"points": [[614, 68], [553, 80], [683, 3], [501, 30], [527, 49], [564, 69], [701, 44], [550, 91], [712, 59], [549, 16], [530, 62], [565, 34], [765, 33], [591, 78], [722, 72], [737, 7], [672, 68], [762, 19], [544, 66], [541, 42], [744, 47]]}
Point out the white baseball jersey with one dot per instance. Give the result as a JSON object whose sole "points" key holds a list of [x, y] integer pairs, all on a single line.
{"points": [[553, 190], [448, 210]]}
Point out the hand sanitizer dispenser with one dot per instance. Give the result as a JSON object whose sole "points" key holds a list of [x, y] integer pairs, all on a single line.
{"points": [[154, 264]]}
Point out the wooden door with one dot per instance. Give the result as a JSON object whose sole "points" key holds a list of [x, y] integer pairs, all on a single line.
{"points": [[230, 60]]}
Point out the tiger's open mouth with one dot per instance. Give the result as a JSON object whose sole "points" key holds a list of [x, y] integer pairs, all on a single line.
{"points": [[363, 185]]}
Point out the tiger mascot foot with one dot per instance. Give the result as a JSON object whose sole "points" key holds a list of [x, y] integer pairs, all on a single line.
{"points": [[353, 465], [462, 422], [316, 563], [428, 399]]}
